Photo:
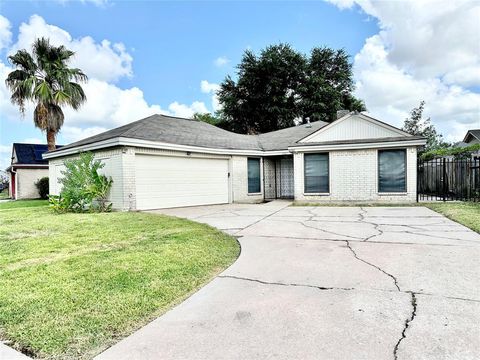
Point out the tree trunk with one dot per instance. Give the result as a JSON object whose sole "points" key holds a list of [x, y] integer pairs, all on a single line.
{"points": [[51, 140]]}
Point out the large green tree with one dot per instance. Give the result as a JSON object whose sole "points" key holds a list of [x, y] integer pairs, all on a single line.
{"points": [[415, 124], [45, 78], [281, 85]]}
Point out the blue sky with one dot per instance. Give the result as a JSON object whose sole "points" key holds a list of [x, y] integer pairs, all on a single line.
{"points": [[174, 45], [169, 48]]}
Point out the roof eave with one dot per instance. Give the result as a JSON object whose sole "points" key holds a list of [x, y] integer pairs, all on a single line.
{"points": [[357, 146]]}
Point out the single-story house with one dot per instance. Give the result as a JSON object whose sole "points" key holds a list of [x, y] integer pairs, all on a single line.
{"points": [[163, 161], [26, 168], [472, 137]]}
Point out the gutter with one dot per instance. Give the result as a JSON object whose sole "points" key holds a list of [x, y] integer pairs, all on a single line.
{"points": [[357, 146], [123, 141]]}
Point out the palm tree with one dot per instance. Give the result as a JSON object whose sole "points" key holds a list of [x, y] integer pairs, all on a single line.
{"points": [[44, 78]]}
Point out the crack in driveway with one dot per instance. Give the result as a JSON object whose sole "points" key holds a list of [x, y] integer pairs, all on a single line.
{"points": [[283, 284], [407, 325], [375, 266], [376, 226]]}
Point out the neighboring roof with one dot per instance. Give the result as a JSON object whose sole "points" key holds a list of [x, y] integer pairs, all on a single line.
{"points": [[190, 132], [174, 130], [30, 154], [472, 133]]}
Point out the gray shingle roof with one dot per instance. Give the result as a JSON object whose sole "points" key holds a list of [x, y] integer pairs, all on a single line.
{"points": [[173, 130], [474, 133]]}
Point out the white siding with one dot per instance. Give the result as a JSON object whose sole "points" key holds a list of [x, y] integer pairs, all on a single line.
{"points": [[352, 128], [26, 179], [174, 181], [354, 177]]}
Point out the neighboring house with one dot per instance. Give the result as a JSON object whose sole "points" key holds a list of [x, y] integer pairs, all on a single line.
{"points": [[163, 161], [26, 168], [472, 137]]}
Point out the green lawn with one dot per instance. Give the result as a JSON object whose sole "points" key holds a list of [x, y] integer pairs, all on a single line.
{"points": [[73, 284], [465, 213]]}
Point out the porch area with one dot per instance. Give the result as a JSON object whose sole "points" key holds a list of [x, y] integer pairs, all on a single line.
{"points": [[278, 177]]}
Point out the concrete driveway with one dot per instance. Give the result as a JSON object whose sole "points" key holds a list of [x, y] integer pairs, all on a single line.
{"points": [[327, 283]]}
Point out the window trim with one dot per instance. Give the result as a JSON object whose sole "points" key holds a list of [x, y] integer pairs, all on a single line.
{"points": [[260, 176], [313, 193], [404, 191]]}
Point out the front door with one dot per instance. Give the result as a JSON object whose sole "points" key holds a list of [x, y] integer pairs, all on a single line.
{"points": [[286, 178]]}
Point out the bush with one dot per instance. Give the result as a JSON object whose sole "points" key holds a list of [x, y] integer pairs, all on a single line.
{"points": [[84, 189], [43, 187], [459, 153]]}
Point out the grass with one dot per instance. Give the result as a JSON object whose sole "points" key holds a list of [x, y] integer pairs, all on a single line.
{"points": [[465, 213], [74, 284], [22, 204], [4, 194]]}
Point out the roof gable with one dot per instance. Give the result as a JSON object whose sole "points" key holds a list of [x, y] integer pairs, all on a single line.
{"points": [[354, 126], [472, 135]]}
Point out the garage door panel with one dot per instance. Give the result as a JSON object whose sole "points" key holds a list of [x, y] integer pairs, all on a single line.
{"points": [[163, 181]]}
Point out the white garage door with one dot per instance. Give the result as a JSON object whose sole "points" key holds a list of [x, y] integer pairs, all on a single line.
{"points": [[167, 181]]}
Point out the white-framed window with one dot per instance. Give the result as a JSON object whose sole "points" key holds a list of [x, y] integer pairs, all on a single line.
{"points": [[254, 178], [316, 177], [392, 171]]}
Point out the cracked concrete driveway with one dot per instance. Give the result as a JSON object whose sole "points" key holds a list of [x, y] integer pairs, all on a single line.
{"points": [[327, 283]]}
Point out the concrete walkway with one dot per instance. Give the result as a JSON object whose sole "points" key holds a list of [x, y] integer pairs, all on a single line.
{"points": [[327, 283]]}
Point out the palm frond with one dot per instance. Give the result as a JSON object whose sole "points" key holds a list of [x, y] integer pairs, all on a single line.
{"points": [[45, 78], [24, 61]]}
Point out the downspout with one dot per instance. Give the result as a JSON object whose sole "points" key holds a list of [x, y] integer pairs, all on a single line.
{"points": [[16, 188]]}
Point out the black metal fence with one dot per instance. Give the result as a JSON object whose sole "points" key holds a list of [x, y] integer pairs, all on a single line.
{"points": [[448, 179]]}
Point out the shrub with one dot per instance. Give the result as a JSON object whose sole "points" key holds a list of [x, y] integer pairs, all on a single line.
{"points": [[42, 186], [84, 189], [458, 152]]}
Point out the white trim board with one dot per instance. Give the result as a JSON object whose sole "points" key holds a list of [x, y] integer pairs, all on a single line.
{"points": [[359, 146]]}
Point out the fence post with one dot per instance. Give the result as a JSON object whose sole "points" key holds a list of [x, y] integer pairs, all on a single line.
{"points": [[444, 169], [418, 177]]}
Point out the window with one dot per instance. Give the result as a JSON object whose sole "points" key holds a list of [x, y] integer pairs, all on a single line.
{"points": [[391, 171], [253, 175], [316, 173]]}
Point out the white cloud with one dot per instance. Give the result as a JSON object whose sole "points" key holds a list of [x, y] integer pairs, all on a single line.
{"points": [[185, 111], [211, 88], [425, 50], [74, 133], [102, 61], [107, 105], [208, 87], [221, 61], [5, 156], [5, 33]]}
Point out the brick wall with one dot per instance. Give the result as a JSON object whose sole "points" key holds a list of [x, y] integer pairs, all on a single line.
{"points": [[354, 177], [112, 159], [239, 175]]}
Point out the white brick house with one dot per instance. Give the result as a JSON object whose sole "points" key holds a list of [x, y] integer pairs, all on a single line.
{"points": [[163, 161]]}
